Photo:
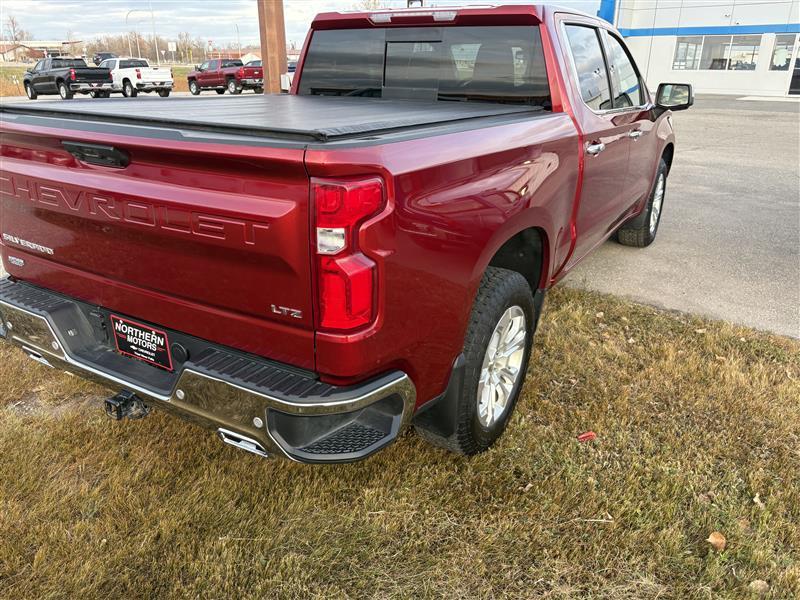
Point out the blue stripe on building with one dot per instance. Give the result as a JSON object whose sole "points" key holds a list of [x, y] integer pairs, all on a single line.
{"points": [[723, 30]]}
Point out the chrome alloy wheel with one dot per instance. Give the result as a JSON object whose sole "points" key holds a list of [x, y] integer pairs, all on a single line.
{"points": [[502, 365], [658, 202]]}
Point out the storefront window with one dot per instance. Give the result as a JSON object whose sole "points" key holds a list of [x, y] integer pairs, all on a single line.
{"points": [[744, 52], [687, 53], [716, 52], [782, 54]]}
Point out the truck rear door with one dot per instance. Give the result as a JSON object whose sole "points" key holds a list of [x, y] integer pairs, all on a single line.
{"points": [[208, 239], [606, 142]]}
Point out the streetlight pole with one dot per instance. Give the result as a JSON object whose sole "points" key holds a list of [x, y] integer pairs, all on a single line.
{"points": [[128, 33], [153, 23], [238, 42]]}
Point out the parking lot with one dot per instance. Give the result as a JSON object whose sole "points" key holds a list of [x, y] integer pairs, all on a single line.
{"points": [[729, 242]]}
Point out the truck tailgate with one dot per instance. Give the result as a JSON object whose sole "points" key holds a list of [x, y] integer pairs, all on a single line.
{"points": [[156, 74], [209, 239], [89, 74]]}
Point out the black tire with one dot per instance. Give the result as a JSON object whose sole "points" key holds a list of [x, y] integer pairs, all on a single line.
{"points": [[30, 92], [64, 91], [164, 93], [641, 231], [500, 290], [194, 88], [128, 90], [258, 90], [220, 92]]}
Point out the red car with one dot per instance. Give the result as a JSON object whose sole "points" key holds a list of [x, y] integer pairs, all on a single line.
{"points": [[226, 74], [308, 273]]}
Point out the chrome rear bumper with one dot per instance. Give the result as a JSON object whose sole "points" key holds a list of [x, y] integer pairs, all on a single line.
{"points": [[297, 417]]}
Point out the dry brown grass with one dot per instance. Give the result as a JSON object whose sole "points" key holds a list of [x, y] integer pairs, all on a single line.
{"points": [[694, 420]]}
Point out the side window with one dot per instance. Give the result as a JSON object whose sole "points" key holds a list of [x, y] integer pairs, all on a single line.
{"points": [[625, 79], [213, 65], [590, 66], [204, 66], [39, 66]]}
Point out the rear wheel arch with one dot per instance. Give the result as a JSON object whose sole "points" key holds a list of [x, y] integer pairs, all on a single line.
{"points": [[525, 252]]}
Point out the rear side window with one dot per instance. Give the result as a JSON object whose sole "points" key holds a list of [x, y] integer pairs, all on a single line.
{"points": [[627, 88], [490, 64], [132, 64], [584, 43], [231, 63], [60, 63]]}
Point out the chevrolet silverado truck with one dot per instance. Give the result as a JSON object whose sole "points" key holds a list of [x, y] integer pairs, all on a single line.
{"points": [[66, 77], [133, 75], [308, 273], [226, 74]]}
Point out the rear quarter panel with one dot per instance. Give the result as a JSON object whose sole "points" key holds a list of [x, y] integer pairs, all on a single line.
{"points": [[453, 200]]}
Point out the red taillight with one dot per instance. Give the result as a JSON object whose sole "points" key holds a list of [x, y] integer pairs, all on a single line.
{"points": [[138, 73], [240, 73], [72, 75], [347, 278]]}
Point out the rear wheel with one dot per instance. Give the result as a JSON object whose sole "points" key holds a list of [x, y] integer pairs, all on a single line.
{"points": [[128, 90], [64, 91], [233, 87], [641, 230], [163, 93], [497, 348], [194, 88], [30, 92], [258, 90]]}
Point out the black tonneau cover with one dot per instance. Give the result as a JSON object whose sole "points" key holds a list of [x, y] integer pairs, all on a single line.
{"points": [[315, 118]]}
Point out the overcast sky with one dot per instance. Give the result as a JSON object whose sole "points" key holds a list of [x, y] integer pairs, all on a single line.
{"points": [[208, 19]]}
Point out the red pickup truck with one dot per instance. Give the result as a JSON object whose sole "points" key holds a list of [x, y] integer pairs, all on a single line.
{"points": [[226, 74], [308, 273]]}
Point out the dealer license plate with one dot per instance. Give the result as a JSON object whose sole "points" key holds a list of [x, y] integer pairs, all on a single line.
{"points": [[141, 342]]}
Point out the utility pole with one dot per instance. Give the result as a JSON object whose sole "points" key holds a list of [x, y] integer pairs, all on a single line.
{"points": [[273, 43]]}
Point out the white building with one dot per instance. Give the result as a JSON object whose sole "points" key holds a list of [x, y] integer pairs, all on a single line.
{"points": [[720, 46]]}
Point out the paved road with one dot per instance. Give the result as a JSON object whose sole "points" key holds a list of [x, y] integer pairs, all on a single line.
{"points": [[729, 242]]}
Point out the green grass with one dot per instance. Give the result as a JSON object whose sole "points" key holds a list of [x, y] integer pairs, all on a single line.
{"points": [[694, 420]]}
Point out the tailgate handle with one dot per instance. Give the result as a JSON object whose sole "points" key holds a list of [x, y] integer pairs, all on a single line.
{"points": [[94, 154]]}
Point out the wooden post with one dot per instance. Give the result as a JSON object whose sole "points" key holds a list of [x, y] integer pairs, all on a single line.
{"points": [[273, 43]]}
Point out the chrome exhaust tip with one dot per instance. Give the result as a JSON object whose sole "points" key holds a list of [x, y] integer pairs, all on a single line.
{"points": [[242, 442]]}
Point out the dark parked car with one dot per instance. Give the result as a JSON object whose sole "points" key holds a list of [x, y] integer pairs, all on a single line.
{"points": [[101, 56], [66, 77]]}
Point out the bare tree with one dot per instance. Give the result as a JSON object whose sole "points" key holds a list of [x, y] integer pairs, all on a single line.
{"points": [[14, 32], [368, 5]]}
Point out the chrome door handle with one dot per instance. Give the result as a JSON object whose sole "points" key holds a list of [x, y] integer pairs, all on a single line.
{"points": [[635, 134], [595, 149]]}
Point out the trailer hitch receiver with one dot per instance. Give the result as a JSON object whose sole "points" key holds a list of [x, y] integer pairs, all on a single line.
{"points": [[126, 404]]}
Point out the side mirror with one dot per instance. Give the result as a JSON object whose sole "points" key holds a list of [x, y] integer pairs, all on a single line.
{"points": [[674, 96]]}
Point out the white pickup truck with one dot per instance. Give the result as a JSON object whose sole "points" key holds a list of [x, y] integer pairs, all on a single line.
{"points": [[134, 75]]}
